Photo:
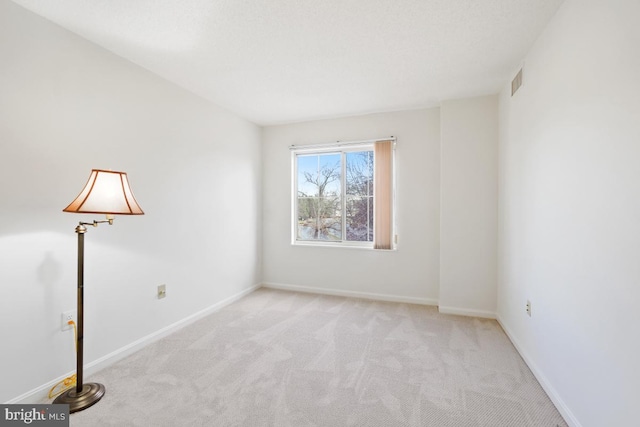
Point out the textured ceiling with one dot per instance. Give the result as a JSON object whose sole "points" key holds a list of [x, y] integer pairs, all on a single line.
{"points": [[279, 61]]}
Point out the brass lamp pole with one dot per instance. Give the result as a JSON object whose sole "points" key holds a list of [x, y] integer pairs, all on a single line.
{"points": [[106, 192]]}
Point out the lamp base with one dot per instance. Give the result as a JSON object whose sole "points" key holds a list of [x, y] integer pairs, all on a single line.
{"points": [[90, 394]]}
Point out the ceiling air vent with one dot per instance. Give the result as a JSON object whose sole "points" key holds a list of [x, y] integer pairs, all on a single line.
{"points": [[516, 82]]}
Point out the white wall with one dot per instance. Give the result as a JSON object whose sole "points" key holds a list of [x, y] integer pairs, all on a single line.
{"points": [[411, 272], [67, 106], [468, 206], [569, 235]]}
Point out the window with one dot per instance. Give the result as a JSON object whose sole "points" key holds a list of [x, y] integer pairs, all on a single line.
{"points": [[335, 194]]}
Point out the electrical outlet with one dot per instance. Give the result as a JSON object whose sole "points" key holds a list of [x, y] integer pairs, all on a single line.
{"points": [[162, 291], [529, 308], [66, 317]]}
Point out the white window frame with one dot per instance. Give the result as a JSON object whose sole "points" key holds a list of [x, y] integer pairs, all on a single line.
{"points": [[339, 148]]}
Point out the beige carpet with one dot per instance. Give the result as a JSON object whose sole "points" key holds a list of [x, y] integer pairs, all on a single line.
{"points": [[279, 358]]}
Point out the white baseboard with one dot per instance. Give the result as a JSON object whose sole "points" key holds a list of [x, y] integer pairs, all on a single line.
{"points": [[353, 294], [40, 394], [542, 379], [467, 312]]}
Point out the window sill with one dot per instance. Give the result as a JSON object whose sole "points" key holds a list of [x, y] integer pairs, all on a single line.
{"points": [[340, 245]]}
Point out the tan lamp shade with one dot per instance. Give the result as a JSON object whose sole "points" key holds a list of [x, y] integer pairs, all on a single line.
{"points": [[106, 192]]}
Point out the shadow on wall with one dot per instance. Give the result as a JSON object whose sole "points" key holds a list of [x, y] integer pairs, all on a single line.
{"points": [[49, 271]]}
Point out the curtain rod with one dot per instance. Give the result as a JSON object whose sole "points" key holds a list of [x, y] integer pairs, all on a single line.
{"points": [[343, 143]]}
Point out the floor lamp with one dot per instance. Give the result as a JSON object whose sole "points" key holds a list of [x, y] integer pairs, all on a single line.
{"points": [[106, 192]]}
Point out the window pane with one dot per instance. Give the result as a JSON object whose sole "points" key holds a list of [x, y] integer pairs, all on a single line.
{"points": [[319, 189], [359, 167], [359, 190], [359, 218], [307, 208], [319, 175], [319, 218]]}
